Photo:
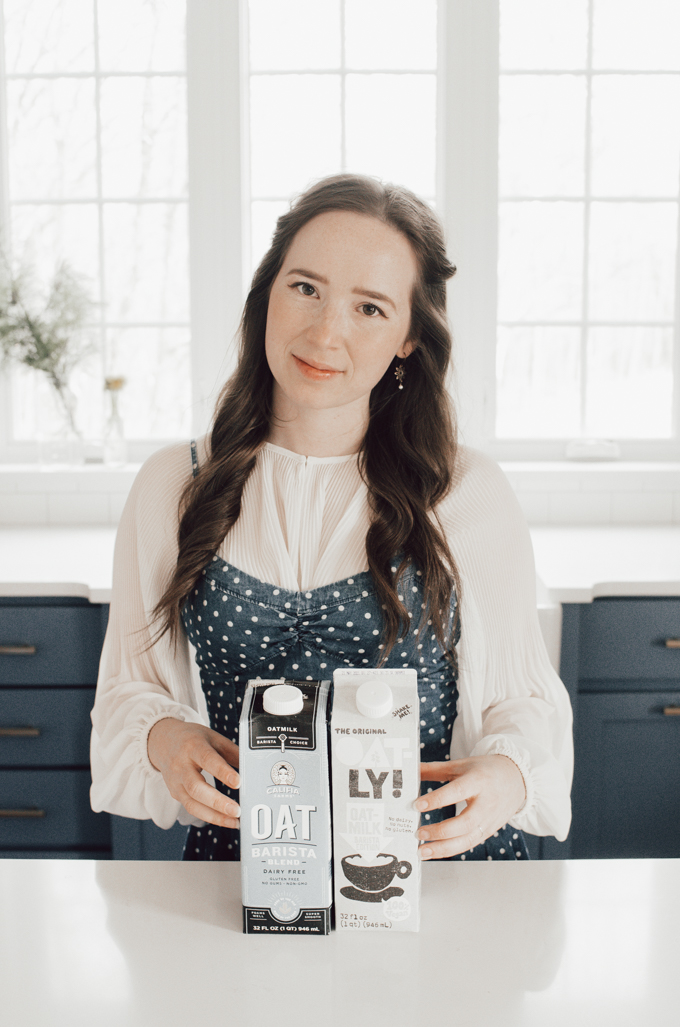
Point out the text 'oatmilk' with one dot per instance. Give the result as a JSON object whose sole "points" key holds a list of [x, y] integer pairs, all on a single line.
{"points": [[375, 742], [284, 796]]}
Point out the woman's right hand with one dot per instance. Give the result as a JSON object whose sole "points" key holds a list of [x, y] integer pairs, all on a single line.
{"points": [[180, 751]]}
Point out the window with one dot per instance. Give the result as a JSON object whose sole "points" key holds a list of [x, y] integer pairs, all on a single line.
{"points": [[346, 85], [544, 132], [96, 173], [589, 172]]}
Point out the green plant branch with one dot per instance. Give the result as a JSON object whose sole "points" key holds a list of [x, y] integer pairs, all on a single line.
{"points": [[52, 339]]}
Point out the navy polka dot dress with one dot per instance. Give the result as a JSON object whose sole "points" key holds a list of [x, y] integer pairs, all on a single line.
{"points": [[243, 628]]}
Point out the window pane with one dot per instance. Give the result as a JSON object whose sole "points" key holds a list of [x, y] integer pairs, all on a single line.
{"points": [[295, 35], [537, 382], [146, 262], [636, 34], [263, 222], [144, 137], [540, 261], [136, 36], [44, 234], [155, 402], [632, 261], [543, 34], [630, 382], [36, 411], [390, 128], [295, 131], [52, 138], [541, 143], [636, 135], [391, 34], [49, 35]]}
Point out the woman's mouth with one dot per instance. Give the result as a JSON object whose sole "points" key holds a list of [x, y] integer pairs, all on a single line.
{"points": [[317, 374]]}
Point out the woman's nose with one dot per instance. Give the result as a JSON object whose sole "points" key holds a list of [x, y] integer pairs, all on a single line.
{"points": [[327, 328]]}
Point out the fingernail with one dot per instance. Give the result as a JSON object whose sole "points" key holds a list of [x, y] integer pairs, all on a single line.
{"points": [[424, 836], [425, 853], [420, 804], [233, 811]]}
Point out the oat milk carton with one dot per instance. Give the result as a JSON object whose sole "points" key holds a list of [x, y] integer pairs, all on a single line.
{"points": [[286, 848], [375, 742]]}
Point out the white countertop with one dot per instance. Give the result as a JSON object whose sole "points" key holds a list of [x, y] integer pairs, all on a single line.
{"points": [[576, 564], [69, 561], [544, 944]]}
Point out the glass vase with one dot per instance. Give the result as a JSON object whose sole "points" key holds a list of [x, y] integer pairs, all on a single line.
{"points": [[115, 446]]}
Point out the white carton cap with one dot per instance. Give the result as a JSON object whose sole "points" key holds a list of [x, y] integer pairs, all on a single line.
{"points": [[374, 699], [282, 700]]}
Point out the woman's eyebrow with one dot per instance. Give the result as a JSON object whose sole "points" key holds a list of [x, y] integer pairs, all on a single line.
{"points": [[374, 296], [356, 292], [307, 274]]}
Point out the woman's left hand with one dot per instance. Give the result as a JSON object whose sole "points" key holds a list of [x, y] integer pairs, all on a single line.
{"points": [[492, 787]]}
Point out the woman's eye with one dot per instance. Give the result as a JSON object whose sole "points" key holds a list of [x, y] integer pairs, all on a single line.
{"points": [[370, 309], [305, 288]]}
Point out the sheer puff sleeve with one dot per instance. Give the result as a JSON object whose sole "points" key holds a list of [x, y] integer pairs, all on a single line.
{"points": [[511, 701], [135, 689]]}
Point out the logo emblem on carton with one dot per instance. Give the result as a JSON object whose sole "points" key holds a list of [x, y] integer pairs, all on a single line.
{"points": [[282, 773]]}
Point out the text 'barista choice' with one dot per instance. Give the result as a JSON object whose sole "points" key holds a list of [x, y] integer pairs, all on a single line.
{"points": [[285, 808]]}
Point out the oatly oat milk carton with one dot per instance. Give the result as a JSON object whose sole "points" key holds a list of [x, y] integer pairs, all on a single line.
{"points": [[286, 848], [375, 742]]}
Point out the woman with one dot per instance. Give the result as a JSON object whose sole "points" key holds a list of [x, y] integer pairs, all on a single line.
{"points": [[329, 519]]}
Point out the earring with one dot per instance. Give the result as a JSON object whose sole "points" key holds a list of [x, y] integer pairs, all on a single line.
{"points": [[399, 373]]}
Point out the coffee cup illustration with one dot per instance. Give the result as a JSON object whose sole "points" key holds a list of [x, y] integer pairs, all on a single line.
{"points": [[377, 877]]}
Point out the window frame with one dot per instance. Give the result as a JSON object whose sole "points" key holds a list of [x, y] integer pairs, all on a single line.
{"points": [[470, 212], [215, 42], [467, 201]]}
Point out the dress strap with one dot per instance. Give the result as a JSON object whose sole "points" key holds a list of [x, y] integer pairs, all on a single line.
{"points": [[194, 458]]}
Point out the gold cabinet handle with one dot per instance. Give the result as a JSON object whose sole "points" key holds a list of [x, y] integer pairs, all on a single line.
{"points": [[671, 711], [673, 643], [18, 650], [19, 732], [22, 812]]}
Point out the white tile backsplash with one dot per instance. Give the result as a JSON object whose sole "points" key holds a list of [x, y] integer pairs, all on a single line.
{"points": [[78, 495], [579, 508], [642, 507], [23, 508], [549, 493], [117, 501], [78, 508], [534, 505]]}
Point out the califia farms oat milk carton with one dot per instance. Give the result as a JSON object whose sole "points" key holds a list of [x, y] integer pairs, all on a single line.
{"points": [[375, 758], [286, 848]]}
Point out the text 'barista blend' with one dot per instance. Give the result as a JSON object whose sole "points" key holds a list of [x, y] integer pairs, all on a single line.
{"points": [[375, 742], [285, 808]]}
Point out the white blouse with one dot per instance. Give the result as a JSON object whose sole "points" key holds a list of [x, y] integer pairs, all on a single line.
{"points": [[303, 525]]}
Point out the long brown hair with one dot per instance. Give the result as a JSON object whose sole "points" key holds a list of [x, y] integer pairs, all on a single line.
{"points": [[409, 448]]}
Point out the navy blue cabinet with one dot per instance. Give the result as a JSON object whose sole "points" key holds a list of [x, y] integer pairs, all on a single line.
{"points": [[49, 654], [622, 674], [621, 661], [49, 657]]}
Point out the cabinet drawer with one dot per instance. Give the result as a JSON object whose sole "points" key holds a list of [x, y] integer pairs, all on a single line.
{"points": [[625, 639], [627, 777], [57, 645], [63, 797], [45, 726]]}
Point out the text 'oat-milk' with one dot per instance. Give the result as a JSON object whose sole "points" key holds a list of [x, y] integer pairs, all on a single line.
{"points": [[286, 848], [375, 757]]}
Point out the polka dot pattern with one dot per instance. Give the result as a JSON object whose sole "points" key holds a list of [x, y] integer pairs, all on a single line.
{"points": [[265, 631]]}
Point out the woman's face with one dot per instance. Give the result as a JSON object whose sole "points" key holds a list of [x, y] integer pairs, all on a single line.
{"points": [[339, 311]]}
